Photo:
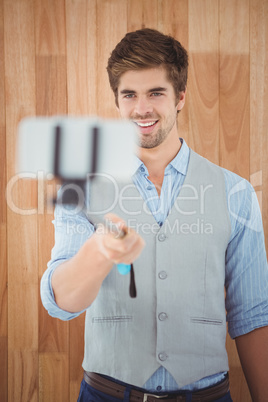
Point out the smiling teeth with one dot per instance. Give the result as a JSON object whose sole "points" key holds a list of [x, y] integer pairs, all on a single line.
{"points": [[146, 124]]}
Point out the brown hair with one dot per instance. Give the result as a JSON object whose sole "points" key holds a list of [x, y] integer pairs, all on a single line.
{"points": [[148, 48]]}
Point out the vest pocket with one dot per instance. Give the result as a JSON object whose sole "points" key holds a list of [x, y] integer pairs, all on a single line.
{"points": [[205, 320], [113, 319]]}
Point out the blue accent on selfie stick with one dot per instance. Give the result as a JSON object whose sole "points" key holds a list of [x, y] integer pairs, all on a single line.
{"points": [[123, 269]]}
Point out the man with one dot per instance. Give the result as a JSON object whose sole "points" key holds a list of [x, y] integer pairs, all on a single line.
{"points": [[192, 228]]}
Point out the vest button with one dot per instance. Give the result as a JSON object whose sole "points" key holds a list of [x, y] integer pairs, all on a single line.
{"points": [[162, 316], [162, 275], [162, 356], [162, 237]]}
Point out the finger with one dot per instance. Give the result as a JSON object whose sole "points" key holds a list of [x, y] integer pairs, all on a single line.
{"points": [[129, 256], [122, 245], [116, 225]]}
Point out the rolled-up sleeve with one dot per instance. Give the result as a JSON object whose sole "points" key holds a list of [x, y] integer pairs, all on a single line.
{"points": [[246, 261], [72, 229]]}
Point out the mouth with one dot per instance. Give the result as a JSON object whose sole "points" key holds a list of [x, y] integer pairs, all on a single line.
{"points": [[146, 126]]}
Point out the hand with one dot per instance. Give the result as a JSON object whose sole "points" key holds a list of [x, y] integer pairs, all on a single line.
{"points": [[118, 249]]}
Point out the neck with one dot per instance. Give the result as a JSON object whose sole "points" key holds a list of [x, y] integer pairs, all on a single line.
{"points": [[156, 159]]}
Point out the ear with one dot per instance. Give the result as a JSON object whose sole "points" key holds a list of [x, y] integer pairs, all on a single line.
{"points": [[181, 99]]}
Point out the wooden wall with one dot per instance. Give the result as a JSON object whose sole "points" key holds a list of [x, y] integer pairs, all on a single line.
{"points": [[53, 58]]}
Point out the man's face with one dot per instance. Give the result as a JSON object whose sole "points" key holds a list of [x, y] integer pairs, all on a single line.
{"points": [[147, 98]]}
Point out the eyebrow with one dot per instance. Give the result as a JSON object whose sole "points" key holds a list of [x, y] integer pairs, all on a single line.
{"points": [[158, 89], [130, 91], [127, 91]]}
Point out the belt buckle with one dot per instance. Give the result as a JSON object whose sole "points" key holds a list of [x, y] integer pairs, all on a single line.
{"points": [[154, 396]]}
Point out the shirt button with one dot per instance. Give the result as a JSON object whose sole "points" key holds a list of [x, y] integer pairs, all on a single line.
{"points": [[162, 237], [162, 275], [162, 356], [162, 316], [149, 188], [142, 169], [158, 388]]}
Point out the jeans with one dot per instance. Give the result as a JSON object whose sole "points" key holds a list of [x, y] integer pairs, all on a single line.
{"points": [[89, 394]]}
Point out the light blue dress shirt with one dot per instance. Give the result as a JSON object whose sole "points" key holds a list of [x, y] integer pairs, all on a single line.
{"points": [[246, 263]]}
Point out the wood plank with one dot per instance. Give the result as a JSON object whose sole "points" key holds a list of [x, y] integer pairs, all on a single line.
{"points": [[258, 102], [53, 333], [4, 368], [22, 229], [204, 78], [50, 24], [31, 87], [110, 32], [234, 86], [54, 377], [81, 42], [142, 14], [51, 84], [22, 343], [82, 73], [173, 20], [23, 317], [3, 223], [23, 386], [77, 327]]}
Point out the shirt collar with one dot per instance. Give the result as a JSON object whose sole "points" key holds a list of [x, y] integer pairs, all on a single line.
{"points": [[181, 160], [179, 163]]}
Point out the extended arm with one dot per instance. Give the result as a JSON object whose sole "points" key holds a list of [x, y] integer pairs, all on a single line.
{"points": [[77, 281], [253, 353]]}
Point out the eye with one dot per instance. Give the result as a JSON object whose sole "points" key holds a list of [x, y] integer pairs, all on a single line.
{"points": [[155, 94], [129, 96]]}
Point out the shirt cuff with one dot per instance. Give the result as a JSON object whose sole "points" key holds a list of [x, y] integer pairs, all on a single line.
{"points": [[48, 298]]}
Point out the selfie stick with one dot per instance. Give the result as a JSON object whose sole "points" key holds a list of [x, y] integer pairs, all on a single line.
{"points": [[69, 198], [123, 269]]}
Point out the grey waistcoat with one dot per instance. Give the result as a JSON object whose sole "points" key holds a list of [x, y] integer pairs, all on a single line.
{"points": [[178, 319]]}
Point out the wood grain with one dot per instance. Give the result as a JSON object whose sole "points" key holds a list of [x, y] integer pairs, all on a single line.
{"points": [[204, 78], [53, 58], [234, 86], [110, 32], [22, 229], [51, 87], [76, 355], [50, 24], [82, 71], [142, 14], [173, 20], [259, 101], [3, 223], [23, 385], [54, 377]]}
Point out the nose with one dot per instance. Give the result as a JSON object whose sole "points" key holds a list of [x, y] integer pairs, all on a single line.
{"points": [[143, 106]]}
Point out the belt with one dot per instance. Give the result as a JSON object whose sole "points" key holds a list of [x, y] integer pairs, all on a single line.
{"points": [[115, 390]]}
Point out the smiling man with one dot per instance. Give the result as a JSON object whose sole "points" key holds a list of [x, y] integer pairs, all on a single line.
{"points": [[153, 109], [147, 98], [169, 342]]}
